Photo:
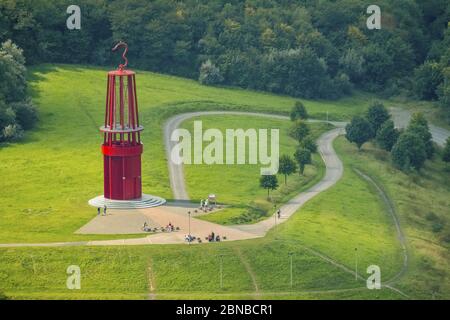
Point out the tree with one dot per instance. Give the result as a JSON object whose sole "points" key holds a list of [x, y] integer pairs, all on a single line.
{"points": [[269, 182], [16, 111], [309, 143], [419, 119], [12, 73], [443, 91], [287, 167], [352, 63], [427, 78], [387, 135], [7, 115], [359, 131], [209, 74], [446, 153], [303, 157], [377, 114], [299, 130], [409, 152], [419, 126], [299, 112]]}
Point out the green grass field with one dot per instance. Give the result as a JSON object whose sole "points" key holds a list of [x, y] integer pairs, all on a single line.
{"points": [[47, 179], [422, 201]]}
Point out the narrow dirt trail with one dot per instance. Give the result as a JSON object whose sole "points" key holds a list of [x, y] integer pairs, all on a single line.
{"points": [[151, 281], [249, 270], [393, 213]]}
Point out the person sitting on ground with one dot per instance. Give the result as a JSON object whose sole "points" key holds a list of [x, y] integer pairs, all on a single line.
{"points": [[217, 238]]}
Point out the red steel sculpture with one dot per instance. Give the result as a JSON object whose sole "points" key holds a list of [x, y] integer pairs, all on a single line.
{"points": [[122, 146]]}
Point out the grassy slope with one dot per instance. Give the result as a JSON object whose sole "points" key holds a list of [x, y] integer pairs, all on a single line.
{"points": [[415, 196], [346, 217], [48, 179], [176, 272], [238, 185]]}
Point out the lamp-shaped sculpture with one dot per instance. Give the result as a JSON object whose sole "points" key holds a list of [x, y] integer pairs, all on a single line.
{"points": [[122, 147]]}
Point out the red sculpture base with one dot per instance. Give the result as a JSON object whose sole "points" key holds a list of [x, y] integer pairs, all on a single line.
{"points": [[122, 171]]}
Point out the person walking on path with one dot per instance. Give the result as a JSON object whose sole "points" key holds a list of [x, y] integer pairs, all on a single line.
{"points": [[98, 211], [104, 210], [279, 213]]}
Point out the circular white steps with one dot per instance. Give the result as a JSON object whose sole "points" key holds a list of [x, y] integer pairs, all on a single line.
{"points": [[147, 201]]}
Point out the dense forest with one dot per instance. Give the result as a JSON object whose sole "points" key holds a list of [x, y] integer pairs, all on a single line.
{"points": [[303, 48]]}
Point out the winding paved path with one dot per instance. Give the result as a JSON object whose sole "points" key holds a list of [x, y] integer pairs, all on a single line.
{"points": [[176, 173]]}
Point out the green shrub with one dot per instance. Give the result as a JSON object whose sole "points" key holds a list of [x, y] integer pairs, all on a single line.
{"points": [[210, 74], [409, 152], [359, 131], [26, 114], [377, 115], [12, 132], [309, 144], [299, 112], [387, 135]]}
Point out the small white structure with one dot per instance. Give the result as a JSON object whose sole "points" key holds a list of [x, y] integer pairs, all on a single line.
{"points": [[212, 198]]}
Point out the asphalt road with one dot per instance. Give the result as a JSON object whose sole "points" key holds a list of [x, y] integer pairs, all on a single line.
{"points": [[401, 119]]}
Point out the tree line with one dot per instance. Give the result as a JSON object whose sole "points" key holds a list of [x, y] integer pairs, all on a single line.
{"points": [[303, 48], [306, 146], [409, 147]]}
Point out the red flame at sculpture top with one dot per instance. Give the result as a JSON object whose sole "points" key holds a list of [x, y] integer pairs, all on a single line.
{"points": [[122, 147]]}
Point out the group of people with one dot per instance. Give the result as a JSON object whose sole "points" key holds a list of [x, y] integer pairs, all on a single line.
{"points": [[146, 228], [204, 205], [169, 228], [213, 237], [189, 238], [99, 210]]}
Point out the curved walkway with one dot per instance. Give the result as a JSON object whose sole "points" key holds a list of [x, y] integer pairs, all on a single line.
{"points": [[176, 173]]}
